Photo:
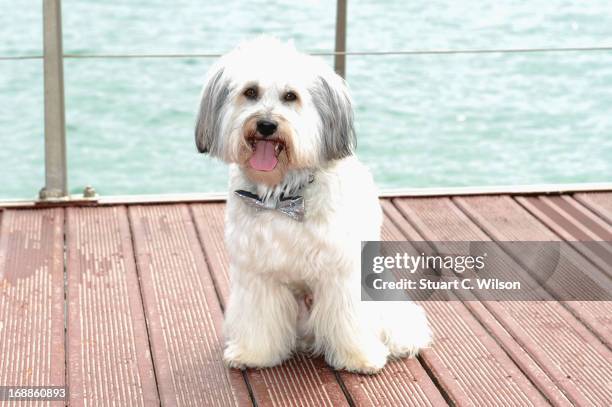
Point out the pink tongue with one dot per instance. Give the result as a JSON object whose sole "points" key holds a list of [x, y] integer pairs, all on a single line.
{"points": [[264, 157]]}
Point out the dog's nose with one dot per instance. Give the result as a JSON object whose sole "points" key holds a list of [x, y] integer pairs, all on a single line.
{"points": [[266, 127]]}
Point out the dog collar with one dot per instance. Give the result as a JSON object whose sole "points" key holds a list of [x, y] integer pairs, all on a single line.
{"points": [[292, 206]]}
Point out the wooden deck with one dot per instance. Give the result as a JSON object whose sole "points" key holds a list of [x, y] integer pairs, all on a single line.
{"points": [[124, 304]]}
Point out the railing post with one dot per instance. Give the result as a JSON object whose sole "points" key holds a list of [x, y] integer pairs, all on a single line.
{"points": [[56, 183], [340, 57]]}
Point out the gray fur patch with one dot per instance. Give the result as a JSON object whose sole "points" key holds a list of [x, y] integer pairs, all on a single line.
{"points": [[208, 123], [334, 106]]}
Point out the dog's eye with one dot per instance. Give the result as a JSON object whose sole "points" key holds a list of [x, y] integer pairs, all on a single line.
{"points": [[290, 97], [250, 93]]}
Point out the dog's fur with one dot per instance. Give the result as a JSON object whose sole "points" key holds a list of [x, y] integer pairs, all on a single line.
{"points": [[276, 260]]}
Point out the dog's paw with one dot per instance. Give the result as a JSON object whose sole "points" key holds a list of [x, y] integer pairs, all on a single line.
{"points": [[237, 357], [408, 333], [369, 359]]}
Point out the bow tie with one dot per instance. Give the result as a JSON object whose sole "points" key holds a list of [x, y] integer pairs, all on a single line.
{"points": [[292, 206]]}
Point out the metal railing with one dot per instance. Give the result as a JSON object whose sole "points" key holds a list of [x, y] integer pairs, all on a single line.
{"points": [[56, 179], [340, 48], [56, 171]]}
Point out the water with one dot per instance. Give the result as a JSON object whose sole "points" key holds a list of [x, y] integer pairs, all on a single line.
{"points": [[422, 121]]}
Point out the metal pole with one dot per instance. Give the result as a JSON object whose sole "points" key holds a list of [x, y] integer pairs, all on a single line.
{"points": [[56, 184], [340, 59]]}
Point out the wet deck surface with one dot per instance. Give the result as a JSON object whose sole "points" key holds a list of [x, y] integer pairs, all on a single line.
{"points": [[124, 304]]}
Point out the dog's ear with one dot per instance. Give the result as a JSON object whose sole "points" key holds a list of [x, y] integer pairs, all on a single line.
{"points": [[332, 100], [213, 101]]}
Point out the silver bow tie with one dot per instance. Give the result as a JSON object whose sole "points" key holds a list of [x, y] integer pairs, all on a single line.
{"points": [[292, 206]]}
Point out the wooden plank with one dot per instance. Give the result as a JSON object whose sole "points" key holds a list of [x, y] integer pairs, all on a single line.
{"points": [[301, 381], [109, 360], [469, 363], [32, 299], [209, 220], [183, 313], [573, 222], [588, 225], [402, 382], [544, 328], [598, 202], [541, 189], [504, 219], [201, 197]]}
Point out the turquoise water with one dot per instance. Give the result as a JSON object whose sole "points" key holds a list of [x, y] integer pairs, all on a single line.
{"points": [[422, 121]]}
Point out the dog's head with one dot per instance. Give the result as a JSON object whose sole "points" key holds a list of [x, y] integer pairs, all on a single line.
{"points": [[271, 109]]}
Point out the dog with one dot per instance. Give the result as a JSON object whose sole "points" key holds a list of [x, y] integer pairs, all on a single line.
{"points": [[299, 205]]}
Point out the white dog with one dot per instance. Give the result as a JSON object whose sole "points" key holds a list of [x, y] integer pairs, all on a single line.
{"points": [[300, 204]]}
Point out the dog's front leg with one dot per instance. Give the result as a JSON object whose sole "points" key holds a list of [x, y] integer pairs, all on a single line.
{"points": [[260, 321], [344, 331]]}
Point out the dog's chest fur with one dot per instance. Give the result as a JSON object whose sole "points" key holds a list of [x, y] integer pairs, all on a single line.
{"points": [[341, 209]]}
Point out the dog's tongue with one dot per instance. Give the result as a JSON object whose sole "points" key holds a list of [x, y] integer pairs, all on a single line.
{"points": [[264, 157]]}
